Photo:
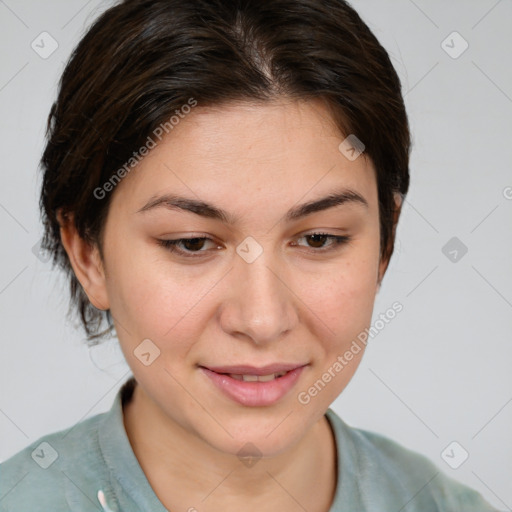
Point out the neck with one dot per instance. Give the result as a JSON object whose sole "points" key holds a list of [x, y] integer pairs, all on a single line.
{"points": [[187, 473]]}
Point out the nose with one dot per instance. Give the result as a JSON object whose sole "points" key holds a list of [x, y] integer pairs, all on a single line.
{"points": [[261, 306]]}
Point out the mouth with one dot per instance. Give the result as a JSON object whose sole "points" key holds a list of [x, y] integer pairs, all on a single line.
{"points": [[256, 378], [254, 386]]}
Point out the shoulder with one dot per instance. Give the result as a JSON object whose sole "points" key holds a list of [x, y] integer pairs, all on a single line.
{"points": [[42, 476], [385, 471]]}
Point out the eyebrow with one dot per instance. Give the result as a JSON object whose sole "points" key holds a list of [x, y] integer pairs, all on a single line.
{"points": [[175, 202]]}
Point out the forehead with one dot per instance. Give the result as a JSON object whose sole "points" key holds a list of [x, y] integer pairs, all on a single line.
{"points": [[278, 130], [245, 151]]}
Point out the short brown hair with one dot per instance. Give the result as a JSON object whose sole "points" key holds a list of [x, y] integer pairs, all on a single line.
{"points": [[143, 59]]}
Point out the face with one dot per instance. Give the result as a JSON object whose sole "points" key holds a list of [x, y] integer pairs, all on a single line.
{"points": [[265, 287]]}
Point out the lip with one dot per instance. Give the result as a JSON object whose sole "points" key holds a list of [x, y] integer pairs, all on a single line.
{"points": [[254, 394], [244, 369]]}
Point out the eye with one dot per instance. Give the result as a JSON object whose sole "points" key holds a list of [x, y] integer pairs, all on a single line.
{"points": [[193, 247], [319, 239]]}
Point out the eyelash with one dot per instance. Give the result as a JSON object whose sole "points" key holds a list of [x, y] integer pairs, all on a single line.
{"points": [[172, 245]]}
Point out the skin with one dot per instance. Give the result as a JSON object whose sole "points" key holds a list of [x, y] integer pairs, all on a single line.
{"points": [[291, 305]]}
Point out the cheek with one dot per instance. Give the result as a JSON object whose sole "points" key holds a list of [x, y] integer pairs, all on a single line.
{"points": [[342, 304], [149, 296], [342, 297]]}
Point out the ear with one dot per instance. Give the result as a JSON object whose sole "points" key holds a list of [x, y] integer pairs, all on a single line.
{"points": [[383, 265], [86, 262]]}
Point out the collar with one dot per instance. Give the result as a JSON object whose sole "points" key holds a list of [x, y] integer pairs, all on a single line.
{"points": [[120, 458], [125, 468]]}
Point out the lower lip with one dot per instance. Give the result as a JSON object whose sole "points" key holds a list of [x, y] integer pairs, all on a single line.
{"points": [[254, 394]]}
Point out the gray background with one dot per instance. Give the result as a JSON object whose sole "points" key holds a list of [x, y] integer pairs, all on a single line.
{"points": [[439, 372]]}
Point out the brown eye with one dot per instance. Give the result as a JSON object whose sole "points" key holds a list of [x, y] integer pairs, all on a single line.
{"points": [[316, 241], [192, 246]]}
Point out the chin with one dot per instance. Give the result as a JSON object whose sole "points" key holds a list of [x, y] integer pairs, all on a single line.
{"points": [[260, 434], [256, 445]]}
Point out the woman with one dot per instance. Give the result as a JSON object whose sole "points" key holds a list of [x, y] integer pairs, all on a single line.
{"points": [[222, 184]]}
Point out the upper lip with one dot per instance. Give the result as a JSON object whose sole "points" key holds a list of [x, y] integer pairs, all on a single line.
{"points": [[244, 369]]}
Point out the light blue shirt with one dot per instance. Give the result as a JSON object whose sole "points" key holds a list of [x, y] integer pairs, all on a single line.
{"points": [[63, 472]]}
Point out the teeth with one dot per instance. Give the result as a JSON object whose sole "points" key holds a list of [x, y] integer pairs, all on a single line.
{"points": [[266, 378], [252, 378], [257, 378]]}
